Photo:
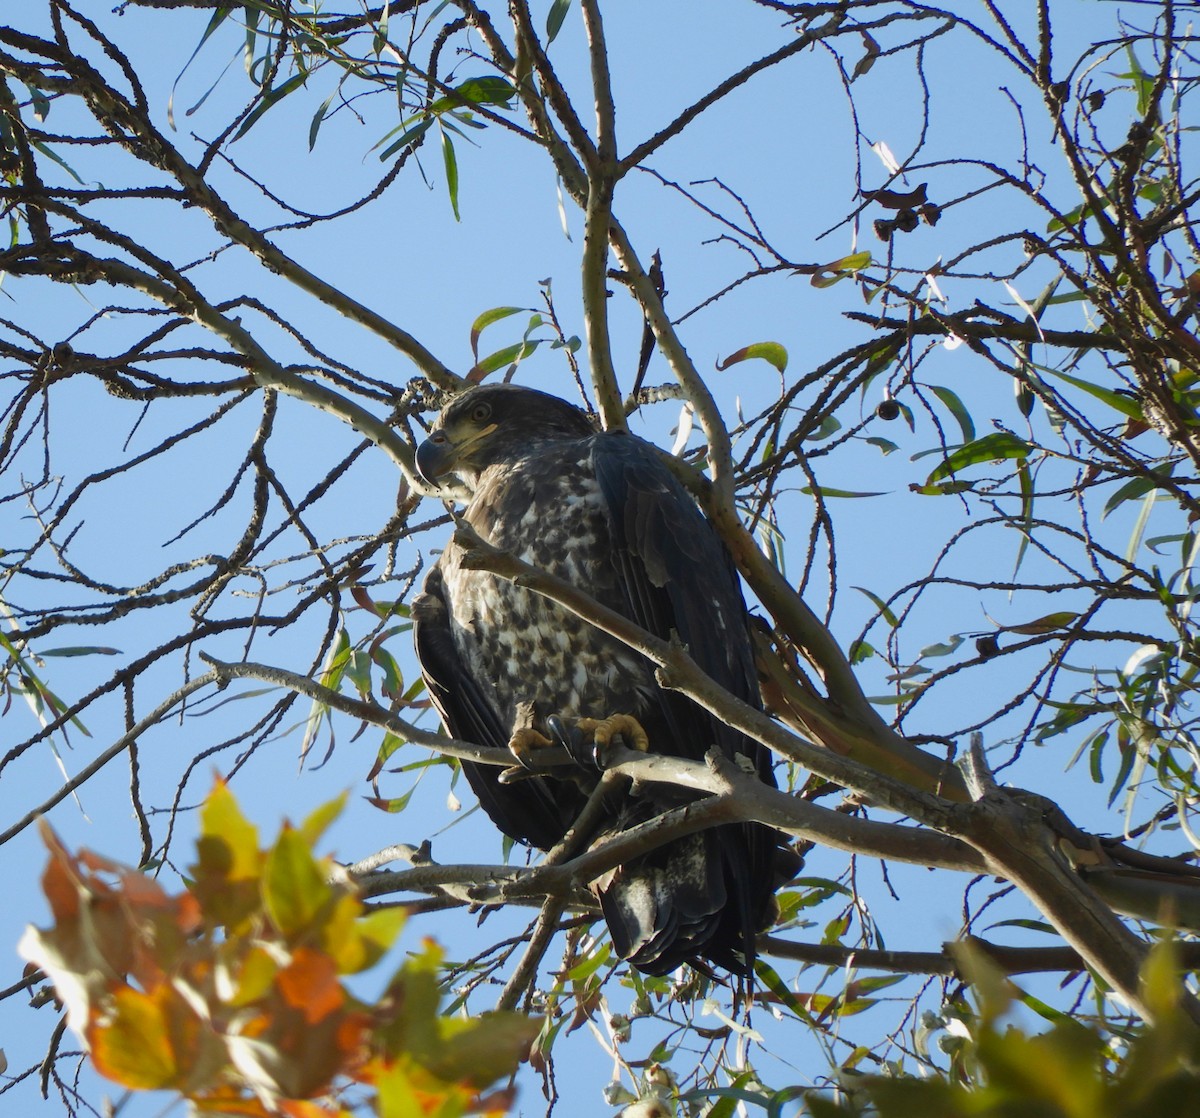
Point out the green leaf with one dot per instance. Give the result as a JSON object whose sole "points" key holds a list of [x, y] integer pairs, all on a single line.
{"points": [[319, 119], [771, 352], [293, 884], [80, 650], [358, 671], [1134, 488], [837, 270], [451, 163], [496, 314], [947, 487], [1139, 526], [487, 90], [884, 611], [391, 743], [408, 137], [990, 448], [1025, 481], [49, 154], [270, 98], [860, 651], [829, 425], [393, 805], [957, 409], [1118, 401], [825, 491], [554, 19], [509, 355], [392, 685]]}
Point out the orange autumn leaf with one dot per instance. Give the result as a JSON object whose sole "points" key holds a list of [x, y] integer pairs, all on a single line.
{"points": [[309, 983]]}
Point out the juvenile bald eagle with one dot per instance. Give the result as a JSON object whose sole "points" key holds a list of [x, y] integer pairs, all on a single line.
{"points": [[603, 512]]}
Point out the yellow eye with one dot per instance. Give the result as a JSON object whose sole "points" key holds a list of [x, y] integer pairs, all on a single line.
{"points": [[480, 413]]}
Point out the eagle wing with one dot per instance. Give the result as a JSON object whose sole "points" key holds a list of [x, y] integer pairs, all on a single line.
{"points": [[679, 580]]}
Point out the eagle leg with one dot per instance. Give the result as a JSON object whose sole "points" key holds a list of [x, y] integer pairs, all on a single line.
{"points": [[603, 730]]}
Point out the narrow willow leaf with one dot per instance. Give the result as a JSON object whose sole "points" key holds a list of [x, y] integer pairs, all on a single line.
{"points": [[496, 314], [1131, 489], [1139, 527], [884, 611], [825, 491], [1025, 480], [408, 137], [990, 448], [837, 270], [451, 162], [1052, 622], [1126, 405], [80, 650], [319, 119], [957, 409], [771, 352], [50, 154], [509, 355], [270, 98], [218, 17], [554, 19]]}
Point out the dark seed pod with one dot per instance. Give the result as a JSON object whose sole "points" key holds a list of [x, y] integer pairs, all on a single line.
{"points": [[987, 646]]}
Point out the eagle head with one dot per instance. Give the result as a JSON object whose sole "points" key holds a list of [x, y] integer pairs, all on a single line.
{"points": [[495, 423]]}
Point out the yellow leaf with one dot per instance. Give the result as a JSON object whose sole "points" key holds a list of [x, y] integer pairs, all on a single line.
{"points": [[318, 821], [130, 1042], [228, 843]]}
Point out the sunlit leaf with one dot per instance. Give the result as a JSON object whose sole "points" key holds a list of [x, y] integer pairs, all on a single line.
{"points": [[837, 270], [489, 89], [995, 447], [132, 1044], [1052, 622], [771, 352], [496, 314], [270, 98]]}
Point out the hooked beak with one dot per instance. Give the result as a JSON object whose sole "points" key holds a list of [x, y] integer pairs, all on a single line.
{"points": [[436, 457]]}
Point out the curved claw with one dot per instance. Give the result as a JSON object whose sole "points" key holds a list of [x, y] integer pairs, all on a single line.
{"points": [[569, 737], [524, 741]]}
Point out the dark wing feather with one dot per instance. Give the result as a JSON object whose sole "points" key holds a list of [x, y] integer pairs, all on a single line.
{"points": [[531, 811], [677, 577]]}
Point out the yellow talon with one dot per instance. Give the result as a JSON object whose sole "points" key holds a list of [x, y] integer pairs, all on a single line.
{"points": [[603, 730], [524, 741]]}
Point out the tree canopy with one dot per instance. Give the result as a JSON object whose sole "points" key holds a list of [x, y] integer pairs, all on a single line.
{"points": [[906, 294]]}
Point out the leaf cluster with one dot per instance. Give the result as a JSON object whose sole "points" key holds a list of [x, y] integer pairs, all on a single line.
{"points": [[234, 993]]}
